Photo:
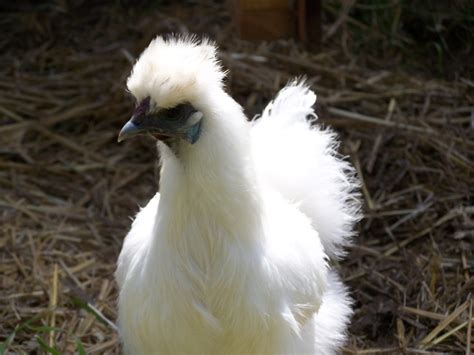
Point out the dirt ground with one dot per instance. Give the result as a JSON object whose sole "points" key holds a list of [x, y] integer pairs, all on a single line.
{"points": [[68, 190]]}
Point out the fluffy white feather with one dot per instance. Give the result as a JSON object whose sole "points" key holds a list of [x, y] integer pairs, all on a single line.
{"points": [[300, 160], [175, 70], [231, 257]]}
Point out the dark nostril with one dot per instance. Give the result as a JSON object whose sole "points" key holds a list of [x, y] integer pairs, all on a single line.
{"points": [[137, 120]]}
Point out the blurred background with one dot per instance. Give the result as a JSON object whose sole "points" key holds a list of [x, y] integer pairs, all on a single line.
{"points": [[394, 77]]}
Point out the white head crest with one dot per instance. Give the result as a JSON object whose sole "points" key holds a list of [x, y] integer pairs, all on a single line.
{"points": [[173, 70]]}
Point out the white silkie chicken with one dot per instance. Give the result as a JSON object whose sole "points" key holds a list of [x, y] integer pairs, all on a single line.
{"points": [[231, 257]]}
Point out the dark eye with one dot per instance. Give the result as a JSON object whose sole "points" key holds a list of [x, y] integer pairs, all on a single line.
{"points": [[174, 113], [179, 112]]}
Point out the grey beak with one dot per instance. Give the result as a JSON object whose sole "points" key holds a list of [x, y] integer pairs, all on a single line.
{"points": [[128, 130]]}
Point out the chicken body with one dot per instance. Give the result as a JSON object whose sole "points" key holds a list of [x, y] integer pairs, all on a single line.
{"points": [[231, 257]]}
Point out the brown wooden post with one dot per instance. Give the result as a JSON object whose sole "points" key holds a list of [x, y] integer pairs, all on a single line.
{"points": [[274, 19], [309, 23], [264, 19]]}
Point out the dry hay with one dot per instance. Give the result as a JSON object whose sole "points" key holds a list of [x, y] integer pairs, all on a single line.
{"points": [[67, 188]]}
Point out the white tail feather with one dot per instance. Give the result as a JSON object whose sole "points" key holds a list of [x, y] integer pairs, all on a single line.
{"points": [[300, 160]]}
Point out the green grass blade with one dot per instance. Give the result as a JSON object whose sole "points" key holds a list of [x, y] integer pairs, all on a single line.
{"points": [[80, 347], [5, 344], [49, 349]]}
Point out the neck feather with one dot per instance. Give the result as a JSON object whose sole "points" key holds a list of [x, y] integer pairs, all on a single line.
{"points": [[215, 177]]}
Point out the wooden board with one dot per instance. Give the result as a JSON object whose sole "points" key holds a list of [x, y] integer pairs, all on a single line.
{"points": [[263, 19], [275, 19]]}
